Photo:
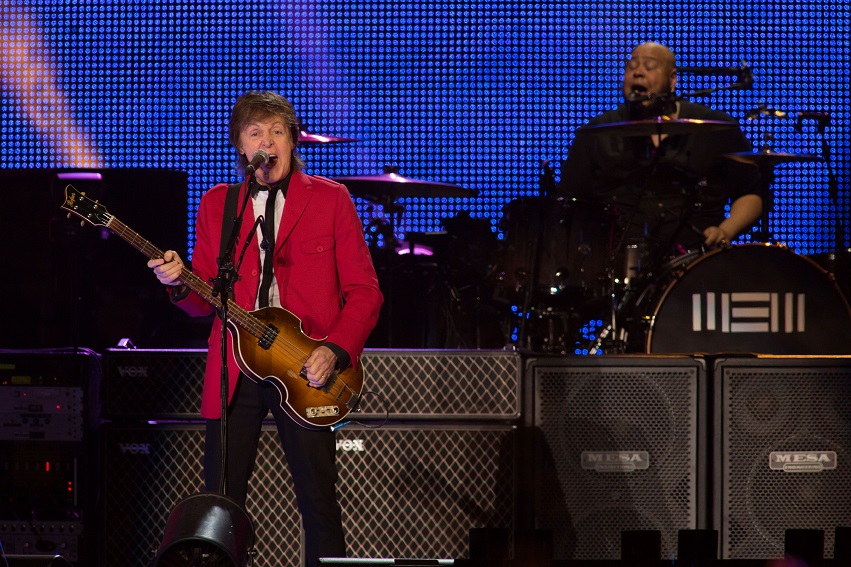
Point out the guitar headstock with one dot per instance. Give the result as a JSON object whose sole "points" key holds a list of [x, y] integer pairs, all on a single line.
{"points": [[77, 203]]}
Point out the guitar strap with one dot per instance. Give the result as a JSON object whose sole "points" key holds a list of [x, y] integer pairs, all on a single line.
{"points": [[231, 201]]}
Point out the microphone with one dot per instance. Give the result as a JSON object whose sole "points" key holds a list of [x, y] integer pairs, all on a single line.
{"points": [[743, 74], [259, 159], [712, 70]]}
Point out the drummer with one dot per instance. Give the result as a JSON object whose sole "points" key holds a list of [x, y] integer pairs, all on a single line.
{"points": [[669, 191]]}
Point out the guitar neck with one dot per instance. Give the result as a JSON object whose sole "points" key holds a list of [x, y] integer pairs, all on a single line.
{"points": [[194, 282]]}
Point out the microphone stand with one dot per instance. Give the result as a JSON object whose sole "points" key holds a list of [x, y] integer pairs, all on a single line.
{"points": [[223, 288], [214, 519], [832, 183]]}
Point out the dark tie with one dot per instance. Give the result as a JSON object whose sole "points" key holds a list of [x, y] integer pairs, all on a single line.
{"points": [[269, 239]]}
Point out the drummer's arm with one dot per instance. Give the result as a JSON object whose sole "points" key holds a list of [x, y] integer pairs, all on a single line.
{"points": [[744, 212]]}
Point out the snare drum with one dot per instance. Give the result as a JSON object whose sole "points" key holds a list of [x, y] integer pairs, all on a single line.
{"points": [[751, 298]]}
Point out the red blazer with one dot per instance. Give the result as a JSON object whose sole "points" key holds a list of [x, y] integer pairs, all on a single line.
{"points": [[322, 266]]}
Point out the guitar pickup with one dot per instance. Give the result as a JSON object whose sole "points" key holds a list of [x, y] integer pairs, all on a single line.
{"points": [[269, 335], [322, 411]]}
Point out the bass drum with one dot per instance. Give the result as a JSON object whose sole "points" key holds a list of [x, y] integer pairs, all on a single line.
{"points": [[751, 298]]}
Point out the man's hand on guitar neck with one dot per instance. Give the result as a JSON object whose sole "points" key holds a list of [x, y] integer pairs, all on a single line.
{"points": [[168, 268]]}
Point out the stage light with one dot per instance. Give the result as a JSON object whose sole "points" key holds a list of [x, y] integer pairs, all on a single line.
{"points": [[206, 529]]}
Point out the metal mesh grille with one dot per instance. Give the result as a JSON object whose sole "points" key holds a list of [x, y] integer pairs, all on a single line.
{"points": [[167, 384], [624, 407], [417, 491], [147, 470], [792, 406], [405, 491], [461, 384], [153, 384]]}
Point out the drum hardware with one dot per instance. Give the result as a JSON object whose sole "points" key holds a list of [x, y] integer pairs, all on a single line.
{"points": [[840, 217], [552, 260], [385, 189], [768, 157]]}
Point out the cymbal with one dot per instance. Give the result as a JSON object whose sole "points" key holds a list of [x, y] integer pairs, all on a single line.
{"points": [[305, 137], [659, 125], [393, 186], [770, 157]]}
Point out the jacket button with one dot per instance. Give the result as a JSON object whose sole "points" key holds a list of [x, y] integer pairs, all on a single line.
{"points": [[254, 272], [320, 248]]}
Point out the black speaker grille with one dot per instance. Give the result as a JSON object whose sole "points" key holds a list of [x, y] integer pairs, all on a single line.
{"points": [[405, 491], [143, 384], [437, 384], [613, 409], [147, 470], [786, 406]]}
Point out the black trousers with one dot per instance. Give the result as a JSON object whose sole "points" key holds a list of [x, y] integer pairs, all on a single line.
{"points": [[310, 457]]}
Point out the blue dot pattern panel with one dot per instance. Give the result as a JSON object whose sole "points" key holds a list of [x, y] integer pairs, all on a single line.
{"points": [[476, 94]]}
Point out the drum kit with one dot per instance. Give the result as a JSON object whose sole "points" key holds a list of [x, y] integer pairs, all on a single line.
{"points": [[556, 283]]}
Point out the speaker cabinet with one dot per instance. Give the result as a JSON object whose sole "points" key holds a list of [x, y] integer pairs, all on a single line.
{"points": [[145, 384], [405, 490], [442, 384], [783, 450], [151, 384], [616, 447]]}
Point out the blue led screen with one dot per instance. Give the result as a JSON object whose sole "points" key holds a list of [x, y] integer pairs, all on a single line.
{"points": [[472, 93]]}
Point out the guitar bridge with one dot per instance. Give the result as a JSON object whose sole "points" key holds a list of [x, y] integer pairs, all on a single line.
{"points": [[322, 411], [269, 336]]}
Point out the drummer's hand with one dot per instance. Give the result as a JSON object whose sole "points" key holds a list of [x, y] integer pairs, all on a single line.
{"points": [[715, 236], [168, 268]]}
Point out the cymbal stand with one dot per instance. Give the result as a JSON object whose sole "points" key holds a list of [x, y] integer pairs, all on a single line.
{"points": [[766, 181], [822, 120], [547, 184], [618, 344], [388, 230]]}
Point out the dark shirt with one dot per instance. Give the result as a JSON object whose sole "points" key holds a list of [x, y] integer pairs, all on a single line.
{"points": [[663, 196]]}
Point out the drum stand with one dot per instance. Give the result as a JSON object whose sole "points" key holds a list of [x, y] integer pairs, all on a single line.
{"points": [[547, 184], [640, 282]]}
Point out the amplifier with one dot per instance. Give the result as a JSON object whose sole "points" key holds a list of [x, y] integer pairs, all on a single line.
{"points": [[465, 385], [31, 539], [405, 490], [782, 451], [468, 385], [150, 384], [616, 446], [43, 479]]}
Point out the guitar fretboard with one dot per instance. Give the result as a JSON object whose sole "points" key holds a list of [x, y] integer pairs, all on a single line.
{"points": [[240, 316]]}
